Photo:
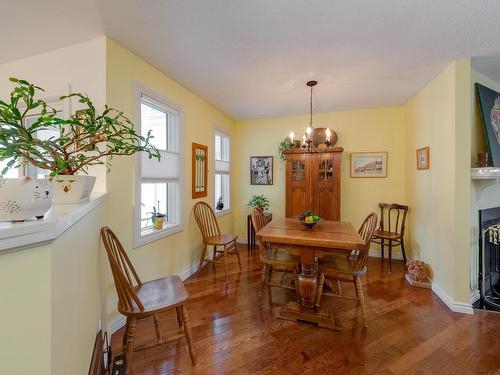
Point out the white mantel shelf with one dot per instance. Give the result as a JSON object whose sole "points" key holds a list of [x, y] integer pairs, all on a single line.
{"points": [[15, 236], [488, 173]]}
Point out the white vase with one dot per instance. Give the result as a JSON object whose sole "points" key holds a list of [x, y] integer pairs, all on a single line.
{"points": [[23, 199], [71, 189]]}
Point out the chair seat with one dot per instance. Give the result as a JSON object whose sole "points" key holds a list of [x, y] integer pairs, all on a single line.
{"points": [[386, 235], [339, 264], [159, 294], [276, 256], [220, 240]]}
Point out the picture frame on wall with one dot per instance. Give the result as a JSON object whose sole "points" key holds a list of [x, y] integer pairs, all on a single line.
{"points": [[261, 170], [489, 105], [423, 158], [369, 164]]}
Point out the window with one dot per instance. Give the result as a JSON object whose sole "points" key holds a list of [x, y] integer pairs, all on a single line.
{"points": [[30, 170], [159, 183], [222, 186]]}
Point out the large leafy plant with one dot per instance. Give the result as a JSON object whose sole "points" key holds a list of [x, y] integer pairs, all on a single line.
{"points": [[258, 201], [85, 139]]}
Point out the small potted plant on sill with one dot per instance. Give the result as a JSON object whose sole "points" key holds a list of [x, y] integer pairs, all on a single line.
{"points": [[259, 201], [220, 204], [157, 218], [86, 139]]}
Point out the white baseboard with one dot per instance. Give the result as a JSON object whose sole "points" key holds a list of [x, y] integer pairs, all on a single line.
{"points": [[459, 307], [376, 254], [118, 323]]}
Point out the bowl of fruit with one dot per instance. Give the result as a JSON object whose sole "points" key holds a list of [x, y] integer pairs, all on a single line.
{"points": [[309, 220]]}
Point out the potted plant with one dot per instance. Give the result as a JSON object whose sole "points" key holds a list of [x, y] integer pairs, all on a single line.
{"points": [[259, 201], [220, 204], [86, 139], [157, 218]]}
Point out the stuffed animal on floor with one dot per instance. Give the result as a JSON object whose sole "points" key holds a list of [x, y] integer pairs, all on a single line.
{"points": [[417, 270]]}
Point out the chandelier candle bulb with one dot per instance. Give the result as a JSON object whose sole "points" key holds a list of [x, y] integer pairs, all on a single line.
{"points": [[292, 135], [304, 139], [308, 131], [328, 134]]}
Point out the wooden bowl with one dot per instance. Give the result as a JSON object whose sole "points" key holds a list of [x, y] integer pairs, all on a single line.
{"points": [[310, 224]]}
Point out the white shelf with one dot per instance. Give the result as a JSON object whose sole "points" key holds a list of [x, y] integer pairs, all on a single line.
{"points": [[487, 173]]}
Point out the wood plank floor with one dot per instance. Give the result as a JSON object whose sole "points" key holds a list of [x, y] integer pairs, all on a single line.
{"points": [[410, 331]]}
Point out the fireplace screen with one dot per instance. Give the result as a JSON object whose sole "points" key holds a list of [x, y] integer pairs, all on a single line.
{"points": [[489, 275]]}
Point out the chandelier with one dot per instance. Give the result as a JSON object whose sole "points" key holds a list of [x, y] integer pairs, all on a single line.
{"points": [[307, 144]]}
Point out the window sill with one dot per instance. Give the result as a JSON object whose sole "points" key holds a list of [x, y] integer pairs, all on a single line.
{"points": [[223, 212], [155, 235]]}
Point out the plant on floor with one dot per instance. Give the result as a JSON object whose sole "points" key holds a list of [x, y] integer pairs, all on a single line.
{"points": [[285, 145], [87, 138], [259, 201]]}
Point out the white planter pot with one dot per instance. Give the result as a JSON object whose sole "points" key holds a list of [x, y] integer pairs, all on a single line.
{"points": [[71, 189], [24, 199]]}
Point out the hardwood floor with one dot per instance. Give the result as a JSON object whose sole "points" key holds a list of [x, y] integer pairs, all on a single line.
{"points": [[410, 331]]}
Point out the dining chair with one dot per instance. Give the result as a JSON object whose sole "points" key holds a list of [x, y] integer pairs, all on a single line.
{"points": [[210, 232], [139, 300], [391, 230], [273, 259], [348, 268]]}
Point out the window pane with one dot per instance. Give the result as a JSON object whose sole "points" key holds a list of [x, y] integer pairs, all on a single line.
{"points": [[12, 172], [155, 120], [152, 195], [218, 147], [222, 190]]}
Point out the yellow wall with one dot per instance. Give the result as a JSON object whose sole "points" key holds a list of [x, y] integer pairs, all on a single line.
{"points": [[179, 252], [363, 130], [439, 117]]}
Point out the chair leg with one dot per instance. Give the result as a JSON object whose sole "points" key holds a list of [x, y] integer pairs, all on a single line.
{"points": [[359, 290], [225, 263], [179, 316], [157, 328], [390, 256], [130, 345], [320, 289], [263, 279], [214, 255], [403, 250], [187, 332], [237, 254], [203, 253], [125, 335], [382, 245]]}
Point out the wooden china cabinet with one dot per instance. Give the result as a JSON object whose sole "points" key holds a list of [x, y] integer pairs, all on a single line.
{"points": [[313, 183]]}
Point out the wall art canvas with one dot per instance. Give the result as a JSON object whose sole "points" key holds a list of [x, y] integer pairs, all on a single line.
{"points": [[489, 107], [261, 170], [369, 164]]}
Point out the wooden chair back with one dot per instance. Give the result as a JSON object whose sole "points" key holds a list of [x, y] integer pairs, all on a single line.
{"points": [[259, 220], [366, 232], [124, 274], [393, 217], [206, 220]]}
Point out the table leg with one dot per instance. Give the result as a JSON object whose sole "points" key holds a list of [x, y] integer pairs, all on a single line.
{"points": [[308, 284], [248, 232]]}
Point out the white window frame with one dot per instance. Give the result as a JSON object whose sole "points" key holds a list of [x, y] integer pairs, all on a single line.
{"points": [[139, 238], [225, 133]]}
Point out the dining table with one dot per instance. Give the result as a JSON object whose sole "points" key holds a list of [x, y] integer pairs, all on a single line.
{"points": [[324, 238]]}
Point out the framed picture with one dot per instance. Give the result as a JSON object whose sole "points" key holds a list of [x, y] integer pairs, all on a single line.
{"points": [[369, 164], [199, 159], [261, 170], [423, 157], [489, 105]]}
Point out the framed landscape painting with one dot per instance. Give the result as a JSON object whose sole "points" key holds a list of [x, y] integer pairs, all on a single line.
{"points": [[489, 105], [369, 164], [261, 170]]}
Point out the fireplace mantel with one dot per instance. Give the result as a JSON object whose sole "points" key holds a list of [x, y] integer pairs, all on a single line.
{"points": [[484, 177]]}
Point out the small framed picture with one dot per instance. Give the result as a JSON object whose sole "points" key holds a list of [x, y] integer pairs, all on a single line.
{"points": [[261, 170], [369, 164], [423, 158]]}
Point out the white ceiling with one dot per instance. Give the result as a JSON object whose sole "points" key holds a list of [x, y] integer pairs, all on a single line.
{"points": [[251, 58]]}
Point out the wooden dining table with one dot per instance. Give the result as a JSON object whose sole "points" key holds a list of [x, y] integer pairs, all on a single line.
{"points": [[324, 238]]}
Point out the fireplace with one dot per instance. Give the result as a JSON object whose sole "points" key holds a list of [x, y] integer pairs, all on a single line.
{"points": [[489, 258]]}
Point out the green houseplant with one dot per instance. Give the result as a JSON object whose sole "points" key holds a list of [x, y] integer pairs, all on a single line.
{"points": [[86, 139], [157, 218], [259, 201], [285, 145]]}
